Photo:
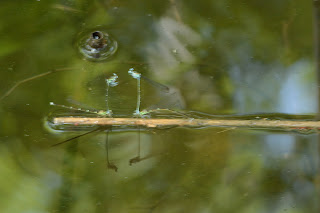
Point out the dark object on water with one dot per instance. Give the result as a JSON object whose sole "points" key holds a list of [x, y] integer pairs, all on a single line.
{"points": [[97, 45]]}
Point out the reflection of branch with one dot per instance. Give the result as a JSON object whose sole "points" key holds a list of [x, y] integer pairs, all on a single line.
{"points": [[30, 79], [193, 123], [66, 8], [285, 31], [175, 10], [136, 63]]}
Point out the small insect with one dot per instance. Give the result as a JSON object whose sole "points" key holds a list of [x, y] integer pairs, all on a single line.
{"points": [[144, 113], [137, 76], [112, 82]]}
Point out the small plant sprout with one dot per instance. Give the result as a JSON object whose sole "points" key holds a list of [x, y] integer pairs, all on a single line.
{"points": [[111, 82], [137, 76]]}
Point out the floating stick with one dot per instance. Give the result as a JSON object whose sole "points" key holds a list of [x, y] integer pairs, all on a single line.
{"points": [[299, 125]]}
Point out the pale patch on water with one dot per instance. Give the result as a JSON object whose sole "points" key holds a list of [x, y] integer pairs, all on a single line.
{"points": [[170, 49], [298, 94]]}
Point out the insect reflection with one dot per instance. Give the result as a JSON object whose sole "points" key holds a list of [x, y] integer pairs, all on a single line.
{"points": [[112, 82]]}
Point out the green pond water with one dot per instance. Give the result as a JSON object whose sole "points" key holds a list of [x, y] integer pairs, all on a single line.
{"points": [[216, 57]]}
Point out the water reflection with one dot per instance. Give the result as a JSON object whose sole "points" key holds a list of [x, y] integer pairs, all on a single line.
{"points": [[171, 48], [220, 57]]}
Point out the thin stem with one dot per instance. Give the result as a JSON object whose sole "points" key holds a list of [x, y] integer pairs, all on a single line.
{"points": [[137, 76], [175, 10], [138, 96], [139, 144], [30, 79], [111, 82], [76, 109], [107, 97], [158, 85]]}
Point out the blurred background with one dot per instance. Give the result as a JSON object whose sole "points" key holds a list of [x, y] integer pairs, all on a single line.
{"points": [[217, 57]]}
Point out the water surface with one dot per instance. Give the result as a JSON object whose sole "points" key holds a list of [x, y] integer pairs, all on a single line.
{"points": [[217, 57]]}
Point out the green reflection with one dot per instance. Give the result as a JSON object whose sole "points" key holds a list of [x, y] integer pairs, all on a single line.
{"points": [[209, 52]]}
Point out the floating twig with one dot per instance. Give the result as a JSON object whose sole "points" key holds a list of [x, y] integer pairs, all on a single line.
{"points": [[301, 125]]}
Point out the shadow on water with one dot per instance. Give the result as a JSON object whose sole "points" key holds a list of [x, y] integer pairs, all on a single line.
{"points": [[215, 57]]}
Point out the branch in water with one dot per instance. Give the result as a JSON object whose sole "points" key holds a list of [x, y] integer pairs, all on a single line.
{"points": [[191, 123]]}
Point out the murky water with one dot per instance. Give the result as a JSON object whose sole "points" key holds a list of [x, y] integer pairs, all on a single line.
{"points": [[216, 57]]}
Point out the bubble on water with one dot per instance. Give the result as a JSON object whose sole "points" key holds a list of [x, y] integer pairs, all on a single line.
{"points": [[96, 45]]}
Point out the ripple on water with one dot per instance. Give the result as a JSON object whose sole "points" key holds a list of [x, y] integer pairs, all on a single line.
{"points": [[96, 45]]}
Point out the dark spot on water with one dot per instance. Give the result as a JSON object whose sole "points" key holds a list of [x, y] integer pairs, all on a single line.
{"points": [[96, 45], [97, 35]]}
